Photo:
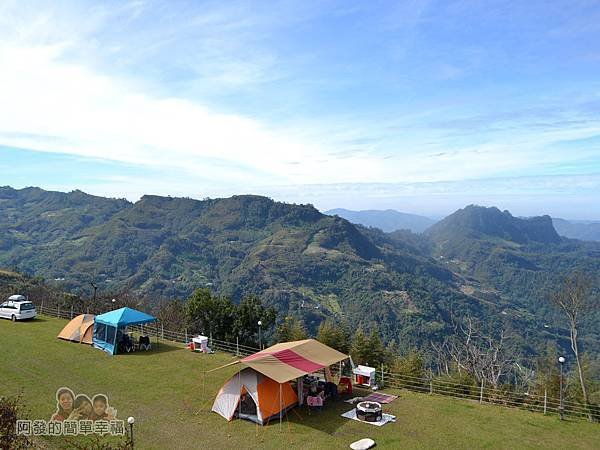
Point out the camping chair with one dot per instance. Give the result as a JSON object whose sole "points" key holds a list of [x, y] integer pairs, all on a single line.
{"points": [[129, 345], [144, 343], [314, 401]]}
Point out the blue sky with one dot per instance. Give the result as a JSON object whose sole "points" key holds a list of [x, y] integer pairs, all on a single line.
{"points": [[420, 106]]}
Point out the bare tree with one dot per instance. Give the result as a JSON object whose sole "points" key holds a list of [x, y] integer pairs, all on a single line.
{"points": [[575, 298], [442, 359], [471, 351]]}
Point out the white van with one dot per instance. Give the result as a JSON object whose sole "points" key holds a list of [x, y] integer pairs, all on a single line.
{"points": [[17, 308]]}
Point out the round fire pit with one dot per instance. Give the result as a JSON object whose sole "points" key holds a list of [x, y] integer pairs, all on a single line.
{"points": [[369, 411]]}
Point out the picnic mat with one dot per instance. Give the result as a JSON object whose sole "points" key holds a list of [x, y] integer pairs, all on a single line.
{"points": [[385, 418], [380, 397]]}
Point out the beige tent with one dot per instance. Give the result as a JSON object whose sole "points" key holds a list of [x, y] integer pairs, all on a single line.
{"points": [[253, 396], [80, 329], [268, 372]]}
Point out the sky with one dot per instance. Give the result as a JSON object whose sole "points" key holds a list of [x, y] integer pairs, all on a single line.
{"points": [[418, 106]]}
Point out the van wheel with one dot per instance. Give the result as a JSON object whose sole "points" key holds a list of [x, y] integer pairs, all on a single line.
{"points": [[13, 318]]}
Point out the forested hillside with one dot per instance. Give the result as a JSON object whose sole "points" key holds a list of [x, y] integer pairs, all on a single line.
{"points": [[479, 263]]}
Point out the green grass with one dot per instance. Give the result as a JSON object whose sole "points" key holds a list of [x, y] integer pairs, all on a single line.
{"points": [[169, 395]]}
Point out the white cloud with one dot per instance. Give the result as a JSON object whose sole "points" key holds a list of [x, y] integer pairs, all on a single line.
{"points": [[57, 106], [56, 96]]}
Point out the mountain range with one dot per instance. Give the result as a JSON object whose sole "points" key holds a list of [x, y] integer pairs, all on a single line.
{"points": [[478, 262], [582, 230], [388, 220]]}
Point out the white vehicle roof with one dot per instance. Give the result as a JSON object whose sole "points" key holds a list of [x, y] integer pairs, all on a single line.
{"points": [[17, 298]]}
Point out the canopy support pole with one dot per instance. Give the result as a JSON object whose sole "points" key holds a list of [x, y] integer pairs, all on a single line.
{"points": [[240, 395], [280, 407]]}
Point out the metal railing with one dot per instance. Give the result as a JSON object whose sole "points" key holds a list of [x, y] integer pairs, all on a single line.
{"points": [[174, 336], [388, 379], [487, 394]]}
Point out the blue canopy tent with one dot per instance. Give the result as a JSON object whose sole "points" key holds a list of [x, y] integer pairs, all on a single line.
{"points": [[107, 325]]}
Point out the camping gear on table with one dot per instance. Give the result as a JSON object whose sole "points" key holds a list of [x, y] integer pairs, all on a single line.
{"points": [[79, 329], [369, 411], [249, 388], [200, 344], [364, 375], [108, 326]]}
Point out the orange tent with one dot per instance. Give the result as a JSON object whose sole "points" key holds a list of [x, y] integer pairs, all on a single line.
{"points": [[266, 379], [252, 396], [80, 329]]}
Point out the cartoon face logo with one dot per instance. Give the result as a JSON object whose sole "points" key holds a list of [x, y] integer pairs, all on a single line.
{"points": [[79, 407]]}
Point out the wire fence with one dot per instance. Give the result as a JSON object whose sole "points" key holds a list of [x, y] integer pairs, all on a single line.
{"points": [[159, 331], [433, 385]]}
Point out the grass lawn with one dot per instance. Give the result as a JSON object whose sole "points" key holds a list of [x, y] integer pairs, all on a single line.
{"points": [[169, 395]]}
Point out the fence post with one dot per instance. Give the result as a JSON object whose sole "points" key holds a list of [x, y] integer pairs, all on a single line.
{"points": [[481, 392], [162, 331], [545, 400], [42, 307], [430, 381], [58, 313], [186, 336], [71, 312]]}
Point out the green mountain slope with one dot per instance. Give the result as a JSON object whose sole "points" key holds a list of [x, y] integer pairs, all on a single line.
{"points": [[478, 262], [294, 257], [516, 263]]}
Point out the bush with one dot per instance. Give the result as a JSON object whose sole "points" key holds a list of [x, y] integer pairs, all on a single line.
{"points": [[11, 410]]}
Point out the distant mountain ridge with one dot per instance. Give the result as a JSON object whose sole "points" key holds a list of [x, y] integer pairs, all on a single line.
{"points": [[476, 222], [388, 220], [585, 231]]}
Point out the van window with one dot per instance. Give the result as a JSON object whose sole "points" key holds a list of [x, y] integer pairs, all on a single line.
{"points": [[27, 306]]}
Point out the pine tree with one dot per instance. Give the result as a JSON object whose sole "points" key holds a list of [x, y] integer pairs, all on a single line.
{"points": [[291, 329], [410, 366], [360, 350], [376, 348], [335, 336]]}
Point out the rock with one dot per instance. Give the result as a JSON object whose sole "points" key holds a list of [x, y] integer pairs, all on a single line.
{"points": [[363, 444]]}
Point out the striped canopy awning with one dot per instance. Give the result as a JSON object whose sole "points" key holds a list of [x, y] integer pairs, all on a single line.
{"points": [[290, 360]]}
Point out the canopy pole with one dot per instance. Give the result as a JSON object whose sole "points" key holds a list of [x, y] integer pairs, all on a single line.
{"points": [[240, 394], [280, 407]]}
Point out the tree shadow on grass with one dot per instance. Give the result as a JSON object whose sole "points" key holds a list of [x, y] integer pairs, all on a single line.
{"points": [[328, 420], [36, 319], [155, 349]]}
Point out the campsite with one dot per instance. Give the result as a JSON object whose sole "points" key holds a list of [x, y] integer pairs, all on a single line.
{"points": [[170, 391]]}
